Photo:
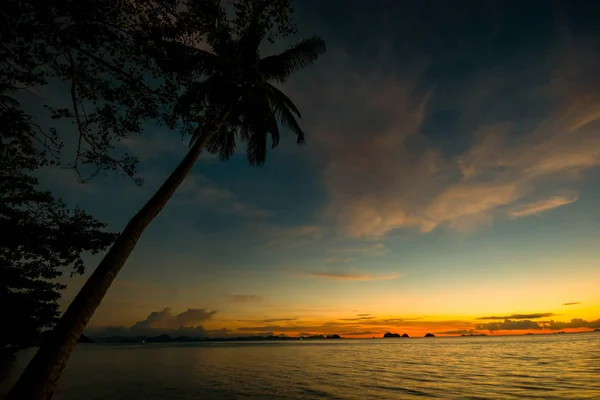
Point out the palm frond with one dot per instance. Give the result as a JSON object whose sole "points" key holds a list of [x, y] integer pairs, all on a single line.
{"points": [[279, 67], [271, 120], [287, 120], [9, 101], [284, 110], [256, 148], [222, 142], [280, 97]]}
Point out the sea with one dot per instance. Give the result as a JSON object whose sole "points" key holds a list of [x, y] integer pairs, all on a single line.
{"points": [[511, 367]]}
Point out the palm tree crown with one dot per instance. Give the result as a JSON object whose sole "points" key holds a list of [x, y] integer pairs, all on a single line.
{"points": [[232, 93]]}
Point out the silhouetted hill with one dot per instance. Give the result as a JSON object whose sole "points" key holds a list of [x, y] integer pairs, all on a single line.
{"points": [[391, 335], [84, 339], [429, 335], [405, 335], [597, 330]]}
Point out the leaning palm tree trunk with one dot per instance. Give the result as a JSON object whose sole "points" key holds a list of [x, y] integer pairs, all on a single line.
{"points": [[39, 378]]}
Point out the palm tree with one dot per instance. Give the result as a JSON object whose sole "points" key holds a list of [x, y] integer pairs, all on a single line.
{"points": [[232, 97]]}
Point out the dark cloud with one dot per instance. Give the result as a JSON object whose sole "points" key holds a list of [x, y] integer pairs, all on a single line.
{"points": [[519, 316], [510, 325], [574, 323], [358, 333], [271, 320], [457, 332], [165, 319], [187, 323], [244, 298], [356, 319], [363, 315], [571, 304]]}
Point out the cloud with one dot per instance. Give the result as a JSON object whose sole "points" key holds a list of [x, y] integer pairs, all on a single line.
{"points": [[519, 316], [465, 205], [244, 298], [271, 320], [357, 319], [363, 315], [198, 190], [165, 319], [509, 325], [532, 325], [541, 206], [574, 323], [372, 249], [351, 277], [186, 323], [384, 171], [457, 332], [571, 304]]}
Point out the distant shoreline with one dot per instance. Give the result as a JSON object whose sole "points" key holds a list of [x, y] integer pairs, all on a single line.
{"points": [[187, 339]]}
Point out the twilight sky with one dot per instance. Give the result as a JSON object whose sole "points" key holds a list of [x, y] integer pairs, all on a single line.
{"points": [[450, 183]]}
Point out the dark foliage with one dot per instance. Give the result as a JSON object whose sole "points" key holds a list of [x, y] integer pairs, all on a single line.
{"points": [[105, 52], [39, 236], [230, 93]]}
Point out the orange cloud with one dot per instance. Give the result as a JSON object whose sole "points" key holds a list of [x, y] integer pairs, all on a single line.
{"points": [[384, 174], [352, 277], [542, 206]]}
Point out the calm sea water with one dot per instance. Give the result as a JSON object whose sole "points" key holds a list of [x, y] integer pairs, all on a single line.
{"points": [[523, 367]]}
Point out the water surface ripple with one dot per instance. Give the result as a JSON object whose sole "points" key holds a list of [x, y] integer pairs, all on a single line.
{"points": [[518, 367]]}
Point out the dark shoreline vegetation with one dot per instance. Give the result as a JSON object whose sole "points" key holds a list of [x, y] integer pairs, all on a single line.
{"points": [[188, 339]]}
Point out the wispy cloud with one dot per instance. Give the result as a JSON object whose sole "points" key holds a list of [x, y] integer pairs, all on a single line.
{"points": [[542, 206], [351, 277], [572, 304], [385, 175], [357, 319], [519, 316], [197, 190]]}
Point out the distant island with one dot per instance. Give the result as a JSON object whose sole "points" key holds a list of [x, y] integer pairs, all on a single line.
{"points": [[429, 335], [473, 334], [394, 335], [187, 339], [597, 330]]}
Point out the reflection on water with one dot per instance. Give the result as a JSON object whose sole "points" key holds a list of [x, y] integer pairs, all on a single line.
{"points": [[532, 367]]}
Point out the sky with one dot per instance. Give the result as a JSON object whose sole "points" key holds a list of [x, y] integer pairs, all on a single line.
{"points": [[449, 184]]}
